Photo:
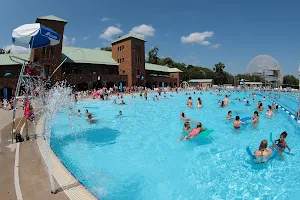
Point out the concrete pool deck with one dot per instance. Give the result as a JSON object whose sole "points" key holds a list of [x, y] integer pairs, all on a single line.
{"points": [[28, 178]]}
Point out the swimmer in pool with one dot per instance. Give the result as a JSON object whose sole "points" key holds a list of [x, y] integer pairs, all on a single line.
{"points": [[156, 97], [122, 103], [262, 155], [114, 102], [253, 100], [276, 108], [247, 103], [269, 112], [189, 102], [90, 118], [260, 107], [87, 111], [226, 100], [222, 104], [264, 98], [281, 143], [255, 119], [120, 113], [187, 127], [194, 132], [78, 113], [183, 117], [240, 100], [237, 123], [199, 103], [244, 100], [273, 106], [229, 116]]}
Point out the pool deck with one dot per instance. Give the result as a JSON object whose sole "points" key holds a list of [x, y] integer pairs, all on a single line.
{"points": [[23, 172]]}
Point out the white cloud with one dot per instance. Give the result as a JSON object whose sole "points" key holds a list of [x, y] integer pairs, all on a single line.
{"points": [[110, 32], [197, 38], [86, 37], [104, 19], [143, 31], [73, 40], [215, 46], [16, 49], [68, 42]]}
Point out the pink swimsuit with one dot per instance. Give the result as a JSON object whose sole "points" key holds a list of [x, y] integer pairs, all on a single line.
{"points": [[194, 132]]}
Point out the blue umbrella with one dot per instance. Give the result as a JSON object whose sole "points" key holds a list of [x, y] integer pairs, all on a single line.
{"points": [[34, 36], [7, 74]]}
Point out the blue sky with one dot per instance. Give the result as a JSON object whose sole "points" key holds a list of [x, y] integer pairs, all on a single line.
{"points": [[195, 32]]}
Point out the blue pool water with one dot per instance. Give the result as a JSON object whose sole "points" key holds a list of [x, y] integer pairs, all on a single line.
{"points": [[136, 156]]}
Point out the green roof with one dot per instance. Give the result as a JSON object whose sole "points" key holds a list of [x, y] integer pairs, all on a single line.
{"points": [[129, 35], [53, 18], [160, 68], [13, 59], [82, 55]]}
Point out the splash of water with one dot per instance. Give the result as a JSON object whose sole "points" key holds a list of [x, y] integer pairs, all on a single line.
{"points": [[47, 104]]}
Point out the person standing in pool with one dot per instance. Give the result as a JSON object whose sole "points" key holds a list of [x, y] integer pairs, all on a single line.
{"points": [[78, 113], [237, 123], [262, 155], [222, 104], [199, 103], [281, 143], [255, 119], [269, 112], [247, 103], [260, 107], [226, 100], [189, 102]]}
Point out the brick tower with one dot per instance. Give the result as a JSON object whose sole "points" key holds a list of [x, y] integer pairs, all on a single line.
{"points": [[50, 56], [129, 52]]}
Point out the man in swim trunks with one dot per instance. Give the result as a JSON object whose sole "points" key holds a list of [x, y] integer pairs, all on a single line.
{"points": [[226, 100], [237, 123]]}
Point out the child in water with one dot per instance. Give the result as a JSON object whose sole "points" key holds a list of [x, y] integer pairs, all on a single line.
{"points": [[78, 112], [237, 123], [229, 116], [281, 143]]}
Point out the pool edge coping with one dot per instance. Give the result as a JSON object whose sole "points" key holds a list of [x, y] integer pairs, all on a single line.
{"points": [[60, 172]]}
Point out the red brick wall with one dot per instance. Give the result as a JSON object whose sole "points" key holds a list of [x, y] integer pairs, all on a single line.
{"points": [[124, 67], [50, 57], [133, 52], [177, 76]]}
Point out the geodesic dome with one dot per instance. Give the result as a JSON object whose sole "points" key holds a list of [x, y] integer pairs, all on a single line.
{"points": [[265, 66], [261, 62]]}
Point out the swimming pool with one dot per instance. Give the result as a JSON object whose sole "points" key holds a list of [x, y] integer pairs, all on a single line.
{"points": [[136, 156]]}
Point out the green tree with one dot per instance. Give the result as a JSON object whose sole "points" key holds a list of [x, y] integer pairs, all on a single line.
{"points": [[166, 61], [106, 48], [290, 80], [219, 73], [153, 56], [2, 51]]}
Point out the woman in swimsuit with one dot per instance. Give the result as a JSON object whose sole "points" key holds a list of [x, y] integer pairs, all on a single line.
{"points": [[237, 123], [281, 143], [222, 104], [255, 119], [260, 107], [194, 132], [269, 112], [199, 103], [262, 155], [189, 102], [183, 117]]}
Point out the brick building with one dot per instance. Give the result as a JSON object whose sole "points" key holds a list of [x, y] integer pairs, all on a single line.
{"points": [[89, 68]]}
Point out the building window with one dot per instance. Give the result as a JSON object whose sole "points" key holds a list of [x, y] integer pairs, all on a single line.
{"points": [[172, 76], [138, 72], [123, 72], [123, 59], [118, 48]]}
